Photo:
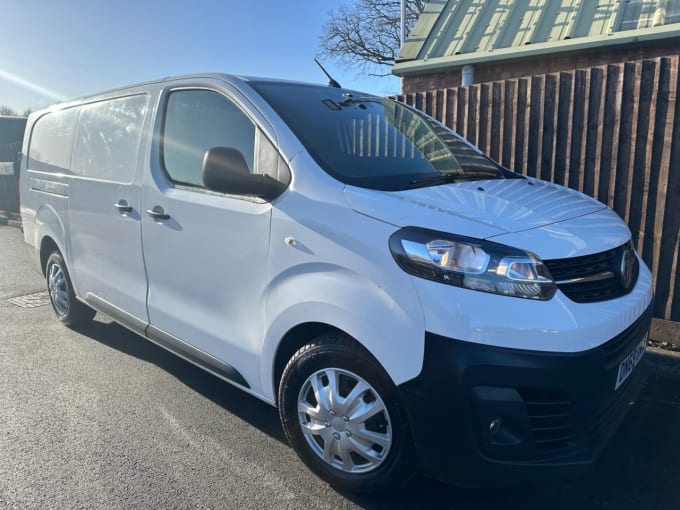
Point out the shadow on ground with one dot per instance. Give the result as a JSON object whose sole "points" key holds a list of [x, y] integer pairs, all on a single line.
{"points": [[639, 469], [246, 407]]}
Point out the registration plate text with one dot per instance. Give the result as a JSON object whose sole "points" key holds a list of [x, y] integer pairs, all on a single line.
{"points": [[630, 362]]}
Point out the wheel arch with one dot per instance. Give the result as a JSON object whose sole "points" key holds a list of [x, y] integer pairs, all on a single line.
{"points": [[49, 234], [384, 320], [47, 246], [298, 336]]}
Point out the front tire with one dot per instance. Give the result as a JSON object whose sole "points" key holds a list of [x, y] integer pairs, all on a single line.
{"points": [[343, 416], [68, 309]]}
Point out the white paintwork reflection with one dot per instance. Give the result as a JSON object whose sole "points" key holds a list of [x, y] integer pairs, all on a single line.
{"points": [[478, 209]]}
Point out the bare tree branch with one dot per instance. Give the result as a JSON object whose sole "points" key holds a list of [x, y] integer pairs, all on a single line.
{"points": [[6, 110], [366, 33]]}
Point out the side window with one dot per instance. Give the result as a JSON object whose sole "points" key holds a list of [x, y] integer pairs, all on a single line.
{"points": [[108, 138], [52, 141], [195, 121]]}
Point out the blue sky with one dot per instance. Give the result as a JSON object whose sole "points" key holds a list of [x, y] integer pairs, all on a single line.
{"points": [[56, 50]]}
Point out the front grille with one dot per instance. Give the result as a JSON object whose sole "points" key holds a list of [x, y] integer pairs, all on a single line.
{"points": [[592, 278], [551, 418]]}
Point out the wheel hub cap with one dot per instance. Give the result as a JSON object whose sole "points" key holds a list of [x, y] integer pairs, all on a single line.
{"points": [[58, 289], [344, 420]]}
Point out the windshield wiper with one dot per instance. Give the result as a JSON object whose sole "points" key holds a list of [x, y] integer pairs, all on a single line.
{"points": [[350, 101], [435, 180]]}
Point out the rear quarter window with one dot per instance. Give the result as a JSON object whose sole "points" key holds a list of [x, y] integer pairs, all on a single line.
{"points": [[52, 142], [108, 139]]}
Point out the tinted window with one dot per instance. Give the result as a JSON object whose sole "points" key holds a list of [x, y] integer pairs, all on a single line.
{"points": [[375, 142], [195, 121], [108, 138], [52, 141], [269, 161]]}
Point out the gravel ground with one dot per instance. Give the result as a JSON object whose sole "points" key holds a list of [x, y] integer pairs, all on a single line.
{"points": [[663, 345]]}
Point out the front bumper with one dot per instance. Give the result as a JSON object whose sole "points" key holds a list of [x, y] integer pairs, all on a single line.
{"points": [[557, 410]]}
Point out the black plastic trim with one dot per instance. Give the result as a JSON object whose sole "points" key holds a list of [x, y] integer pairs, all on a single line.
{"points": [[167, 341], [196, 356], [580, 278], [120, 316]]}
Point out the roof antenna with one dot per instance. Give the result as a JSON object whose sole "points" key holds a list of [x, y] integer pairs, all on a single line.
{"points": [[331, 81]]}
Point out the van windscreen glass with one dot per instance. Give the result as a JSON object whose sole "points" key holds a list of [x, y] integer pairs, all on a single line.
{"points": [[375, 142]]}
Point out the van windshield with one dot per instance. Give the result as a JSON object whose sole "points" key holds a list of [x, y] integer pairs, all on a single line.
{"points": [[375, 142]]}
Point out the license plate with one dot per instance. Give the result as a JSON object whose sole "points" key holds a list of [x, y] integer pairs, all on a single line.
{"points": [[627, 365]]}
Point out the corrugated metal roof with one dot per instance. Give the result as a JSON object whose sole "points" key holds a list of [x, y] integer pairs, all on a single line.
{"points": [[455, 32]]}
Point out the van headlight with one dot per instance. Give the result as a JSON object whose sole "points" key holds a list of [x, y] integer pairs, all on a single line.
{"points": [[471, 263]]}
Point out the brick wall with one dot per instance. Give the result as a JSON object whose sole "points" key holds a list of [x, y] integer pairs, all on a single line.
{"points": [[505, 70]]}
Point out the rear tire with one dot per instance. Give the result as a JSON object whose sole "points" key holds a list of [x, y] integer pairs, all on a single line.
{"points": [[344, 418], [66, 306]]}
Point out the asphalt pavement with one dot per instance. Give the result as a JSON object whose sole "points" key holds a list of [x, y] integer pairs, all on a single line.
{"points": [[101, 418]]}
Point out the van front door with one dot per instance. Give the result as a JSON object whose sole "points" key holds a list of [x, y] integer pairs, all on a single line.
{"points": [[205, 253]]}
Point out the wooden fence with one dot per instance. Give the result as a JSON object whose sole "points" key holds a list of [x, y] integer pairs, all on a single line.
{"points": [[612, 132]]}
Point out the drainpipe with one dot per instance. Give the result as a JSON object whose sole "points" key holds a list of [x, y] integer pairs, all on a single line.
{"points": [[402, 23], [468, 75]]}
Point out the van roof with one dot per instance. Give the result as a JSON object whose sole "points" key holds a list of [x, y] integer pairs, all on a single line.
{"points": [[229, 78]]}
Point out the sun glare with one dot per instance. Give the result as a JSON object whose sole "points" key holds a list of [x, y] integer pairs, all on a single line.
{"points": [[50, 94]]}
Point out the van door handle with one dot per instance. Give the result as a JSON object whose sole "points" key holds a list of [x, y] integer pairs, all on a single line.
{"points": [[123, 206], [157, 213]]}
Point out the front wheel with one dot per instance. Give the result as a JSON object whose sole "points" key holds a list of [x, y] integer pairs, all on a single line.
{"points": [[68, 309], [343, 416]]}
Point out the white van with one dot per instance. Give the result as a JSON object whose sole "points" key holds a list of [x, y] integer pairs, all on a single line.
{"points": [[406, 302]]}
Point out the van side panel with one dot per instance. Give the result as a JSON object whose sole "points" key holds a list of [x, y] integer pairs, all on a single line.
{"points": [[44, 184], [107, 265], [48, 224], [26, 200], [48, 161], [339, 271]]}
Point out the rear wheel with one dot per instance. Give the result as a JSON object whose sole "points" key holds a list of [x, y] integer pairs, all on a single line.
{"points": [[68, 309], [344, 418]]}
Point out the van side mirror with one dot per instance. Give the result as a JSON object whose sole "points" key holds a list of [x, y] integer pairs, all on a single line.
{"points": [[225, 170]]}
